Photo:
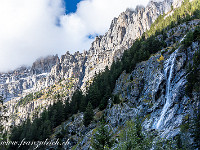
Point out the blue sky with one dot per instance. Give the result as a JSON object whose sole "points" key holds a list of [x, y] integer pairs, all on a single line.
{"points": [[71, 6]]}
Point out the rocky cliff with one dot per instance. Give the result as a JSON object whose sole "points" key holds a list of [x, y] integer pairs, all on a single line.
{"points": [[21, 81], [123, 30], [52, 75], [44, 65], [120, 36], [154, 91]]}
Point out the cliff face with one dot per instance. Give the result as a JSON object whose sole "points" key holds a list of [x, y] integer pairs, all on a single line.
{"points": [[123, 30], [157, 91], [154, 91], [120, 36], [77, 70], [44, 65], [26, 79]]}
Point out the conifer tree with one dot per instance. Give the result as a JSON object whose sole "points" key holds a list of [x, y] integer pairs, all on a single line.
{"points": [[196, 129], [67, 109], [102, 139], [88, 115]]}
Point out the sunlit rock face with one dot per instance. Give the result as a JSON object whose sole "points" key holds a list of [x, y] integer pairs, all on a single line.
{"points": [[123, 30], [25, 79]]}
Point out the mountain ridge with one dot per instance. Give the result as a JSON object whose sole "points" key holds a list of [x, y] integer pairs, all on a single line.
{"points": [[104, 50], [79, 68], [153, 90]]}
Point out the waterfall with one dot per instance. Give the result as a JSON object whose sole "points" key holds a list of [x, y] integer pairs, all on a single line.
{"points": [[169, 67]]}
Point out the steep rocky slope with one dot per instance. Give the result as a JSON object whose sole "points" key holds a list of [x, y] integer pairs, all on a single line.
{"points": [[161, 100], [79, 68], [23, 80], [120, 36], [123, 30], [154, 91]]}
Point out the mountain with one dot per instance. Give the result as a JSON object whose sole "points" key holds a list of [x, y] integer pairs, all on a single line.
{"points": [[122, 32], [153, 69], [44, 72], [155, 91]]}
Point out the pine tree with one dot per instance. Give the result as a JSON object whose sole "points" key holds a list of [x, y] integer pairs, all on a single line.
{"points": [[60, 117], [88, 115], [116, 99], [132, 137], [102, 139], [196, 129], [76, 100], [67, 109]]}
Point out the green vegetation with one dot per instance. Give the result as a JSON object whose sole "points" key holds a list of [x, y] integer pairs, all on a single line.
{"points": [[100, 90], [196, 129], [1, 109], [3, 135], [193, 77], [23, 101], [140, 51], [98, 93], [42, 127], [192, 37], [77, 102], [28, 98], [37, 95], [190, 125], [103, 84], [103, 139], [88, 115], [116, 99], [132, 138], [1, 118], [187, 12]]}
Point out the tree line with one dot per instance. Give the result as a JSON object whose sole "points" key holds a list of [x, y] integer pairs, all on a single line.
{"points": [[97, 94]]}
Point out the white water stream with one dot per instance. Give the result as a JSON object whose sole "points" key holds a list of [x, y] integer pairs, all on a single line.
{"points": [[169, 67]]}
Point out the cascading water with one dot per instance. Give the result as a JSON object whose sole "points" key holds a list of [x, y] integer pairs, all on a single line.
{"points": [[169, 66]]}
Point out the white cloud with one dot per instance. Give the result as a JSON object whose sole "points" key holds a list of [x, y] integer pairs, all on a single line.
{"points": [[28, 28]]}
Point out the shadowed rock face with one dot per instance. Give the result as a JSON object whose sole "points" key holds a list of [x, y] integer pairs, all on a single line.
{"points": [[44, 65], [162, 102]]}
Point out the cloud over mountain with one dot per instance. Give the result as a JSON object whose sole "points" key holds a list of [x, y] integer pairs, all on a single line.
{"points": [[33, 28]]}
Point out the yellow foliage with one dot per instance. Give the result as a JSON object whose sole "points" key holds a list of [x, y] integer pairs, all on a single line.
{"points": [[160, 59]]}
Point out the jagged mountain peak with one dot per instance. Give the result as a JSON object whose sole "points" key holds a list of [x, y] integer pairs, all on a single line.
{"points": [[44, 64], [123, 30], [151, 88], [106, 48]]}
